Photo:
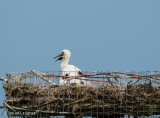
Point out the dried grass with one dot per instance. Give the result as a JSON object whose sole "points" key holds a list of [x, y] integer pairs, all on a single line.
{"points": [[83, 100]]}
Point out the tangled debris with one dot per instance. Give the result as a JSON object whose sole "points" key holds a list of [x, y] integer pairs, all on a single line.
{"points": [[82, 99], [134, 99]]}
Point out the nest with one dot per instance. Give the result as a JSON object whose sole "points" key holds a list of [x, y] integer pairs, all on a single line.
{"points": [[83, 100]]}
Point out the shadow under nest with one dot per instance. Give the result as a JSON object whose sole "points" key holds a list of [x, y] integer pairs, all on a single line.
{"points": [[86, 100]]}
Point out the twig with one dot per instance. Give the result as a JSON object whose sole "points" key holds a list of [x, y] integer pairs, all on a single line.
{"points": [[4, 79], [55, 100], [113, 76], [1, 107], [46, 88], [10, 107], [100, 106], [81, 100], [3, 112], [41, 76], [96, 80]]}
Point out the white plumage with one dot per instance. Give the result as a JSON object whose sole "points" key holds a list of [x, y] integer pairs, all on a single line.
{"points": [[69, 70]]}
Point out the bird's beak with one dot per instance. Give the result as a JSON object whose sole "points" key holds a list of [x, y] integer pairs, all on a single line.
{"points": [[59, 57]]}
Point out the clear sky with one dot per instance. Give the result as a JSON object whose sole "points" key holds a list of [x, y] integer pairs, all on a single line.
{"points": [[103, 35]]}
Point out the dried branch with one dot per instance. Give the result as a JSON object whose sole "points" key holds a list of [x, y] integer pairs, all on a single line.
{"points": [[42, 77]]}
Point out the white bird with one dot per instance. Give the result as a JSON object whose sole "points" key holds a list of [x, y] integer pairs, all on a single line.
{"points": [[69, 70]]}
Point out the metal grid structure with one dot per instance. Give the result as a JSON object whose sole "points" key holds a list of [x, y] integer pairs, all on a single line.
{"points": [[110, 94]]}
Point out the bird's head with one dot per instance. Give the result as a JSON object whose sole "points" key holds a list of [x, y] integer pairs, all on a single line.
{"points": [[64, 54]]}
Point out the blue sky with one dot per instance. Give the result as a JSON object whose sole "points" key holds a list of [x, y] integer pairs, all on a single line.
{"points": [[105, 35]]}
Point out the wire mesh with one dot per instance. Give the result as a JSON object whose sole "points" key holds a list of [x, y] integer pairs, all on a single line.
{"points": [[91, 94]]}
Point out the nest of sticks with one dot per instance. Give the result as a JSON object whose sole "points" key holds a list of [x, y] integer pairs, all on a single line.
{"points": [[83, 100], [108, 99]]}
